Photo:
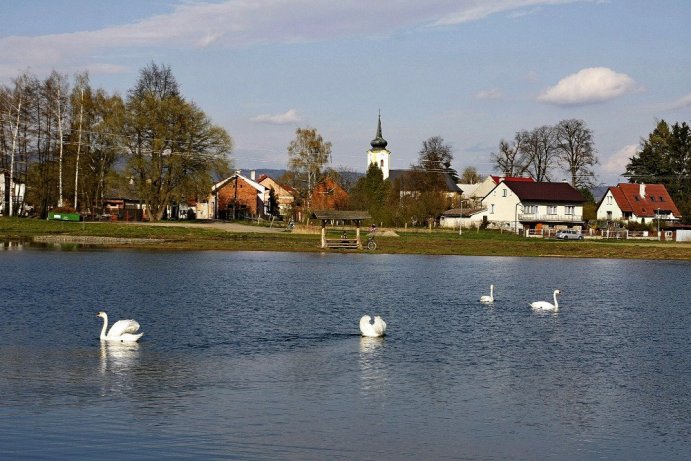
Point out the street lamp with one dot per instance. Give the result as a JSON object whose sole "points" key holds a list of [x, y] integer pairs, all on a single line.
{"points": [[516, 215]]}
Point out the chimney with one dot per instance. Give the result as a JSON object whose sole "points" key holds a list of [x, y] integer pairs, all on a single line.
{"points": [[253, 173], [641, 191]]}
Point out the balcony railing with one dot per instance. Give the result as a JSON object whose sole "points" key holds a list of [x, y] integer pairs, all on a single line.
{"points": [[550, 218]]}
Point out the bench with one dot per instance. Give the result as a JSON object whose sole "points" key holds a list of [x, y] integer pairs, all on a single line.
{"points": [[342, 244]]}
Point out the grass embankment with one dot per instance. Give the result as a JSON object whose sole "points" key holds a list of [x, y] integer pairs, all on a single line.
{"points": [[437, 242]]}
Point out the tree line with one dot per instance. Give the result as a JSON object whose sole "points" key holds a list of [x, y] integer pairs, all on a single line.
{"points": [[73, 145]]}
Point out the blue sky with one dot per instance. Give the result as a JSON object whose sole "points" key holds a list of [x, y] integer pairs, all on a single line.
{"points": [[471, 71]]}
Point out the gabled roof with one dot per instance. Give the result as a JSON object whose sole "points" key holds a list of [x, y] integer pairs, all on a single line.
{"points": [[286, 187], [654, 197], [447, 179], [498, 179], [545, 191], [223, 182]]}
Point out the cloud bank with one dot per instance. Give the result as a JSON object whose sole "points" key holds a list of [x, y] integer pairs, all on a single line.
{"points": [[589, 86], [239, 23], [286, 118]]}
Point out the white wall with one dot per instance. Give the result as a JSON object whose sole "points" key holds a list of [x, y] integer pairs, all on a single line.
{"points": [[609, 204]]}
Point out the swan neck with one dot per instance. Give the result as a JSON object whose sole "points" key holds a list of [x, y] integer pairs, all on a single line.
{"points": [[556, 305], [105, 326]]}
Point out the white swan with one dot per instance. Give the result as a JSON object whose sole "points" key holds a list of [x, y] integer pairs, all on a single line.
{"points": [[373, 330], [488, 299], [545, 306], [122, 330]]}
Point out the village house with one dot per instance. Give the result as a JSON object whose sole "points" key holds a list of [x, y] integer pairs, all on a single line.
{"points": [[327, 194], [480, 191], [283, 193], [235, 197], [641, 203], [531, 206]]}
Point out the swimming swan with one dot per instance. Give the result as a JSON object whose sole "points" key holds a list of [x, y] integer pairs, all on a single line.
{"points": [[122, 330], [378, 328], [545, 306], [488, 299]]}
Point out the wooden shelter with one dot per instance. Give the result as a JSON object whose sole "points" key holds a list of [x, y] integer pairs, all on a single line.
{"points": [[355, 217]]}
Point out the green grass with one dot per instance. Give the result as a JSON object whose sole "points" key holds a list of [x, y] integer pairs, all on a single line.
{"points": [[421, 241]]}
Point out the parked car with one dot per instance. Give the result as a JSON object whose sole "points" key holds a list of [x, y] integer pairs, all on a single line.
{"points": [[569, 234]]}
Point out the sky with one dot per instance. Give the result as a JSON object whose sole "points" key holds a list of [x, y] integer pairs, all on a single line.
{"points": [[471, 71]]}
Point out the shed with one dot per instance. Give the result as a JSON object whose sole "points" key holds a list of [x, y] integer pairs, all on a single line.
{"points": [[355, 217]]}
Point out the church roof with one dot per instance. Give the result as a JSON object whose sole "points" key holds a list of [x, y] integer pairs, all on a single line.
{"points": [[379, 142]]}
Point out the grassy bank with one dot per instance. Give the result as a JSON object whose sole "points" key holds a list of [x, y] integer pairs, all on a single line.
{"points": [[438, 242]]}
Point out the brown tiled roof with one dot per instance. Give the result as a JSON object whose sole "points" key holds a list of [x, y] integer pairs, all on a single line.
{"points": [[498, 179], [629, 199], [545, 191]]}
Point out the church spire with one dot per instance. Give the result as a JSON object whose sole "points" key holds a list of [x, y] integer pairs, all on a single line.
{"points": [[379, 142]]}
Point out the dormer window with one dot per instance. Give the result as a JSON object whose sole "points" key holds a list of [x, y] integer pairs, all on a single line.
{"points": [[652, 199], [662, 199]]}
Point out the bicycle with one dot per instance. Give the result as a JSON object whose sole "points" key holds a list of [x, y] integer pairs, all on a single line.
{"points": [[371, 244]]}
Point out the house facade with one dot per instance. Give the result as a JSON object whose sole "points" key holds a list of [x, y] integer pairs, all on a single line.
{"points": [[235, 197], [284, 194], [642, 203], [327, 194], [529, 205]]}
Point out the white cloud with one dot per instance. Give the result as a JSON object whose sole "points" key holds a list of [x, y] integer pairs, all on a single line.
{"points": [[468, 11], [616, 163], [238, 23], [681, 103], [286, 118], [588, 86], [493, 93]]}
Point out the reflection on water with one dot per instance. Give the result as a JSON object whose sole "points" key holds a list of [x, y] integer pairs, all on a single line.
{"points": [[118, 357], [258, 356], [373, 372]]}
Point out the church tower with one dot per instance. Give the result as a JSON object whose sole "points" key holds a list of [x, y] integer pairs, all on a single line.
{"points": [[378, 154]]}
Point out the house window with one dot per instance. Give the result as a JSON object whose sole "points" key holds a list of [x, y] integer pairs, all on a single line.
{"points": [[491, 210], [652, 198], [609, 200], [530, 209], [636, 197], [382, 164], [570, 209], [551, 209], [503, 193], [609, 216]]}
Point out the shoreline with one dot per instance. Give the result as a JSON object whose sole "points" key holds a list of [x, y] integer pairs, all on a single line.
{"points": [[225, 236]]}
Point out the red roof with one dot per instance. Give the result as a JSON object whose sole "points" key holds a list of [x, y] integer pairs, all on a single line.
{"points": [[498, 179], [653, 197], [545, 191]]}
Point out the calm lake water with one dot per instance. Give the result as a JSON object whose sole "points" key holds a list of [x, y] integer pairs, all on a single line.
{"points": [[253, 356]]}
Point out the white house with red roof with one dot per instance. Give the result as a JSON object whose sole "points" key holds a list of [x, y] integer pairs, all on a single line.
{"points": [[526, 204], [642, 203], [490, 182]]}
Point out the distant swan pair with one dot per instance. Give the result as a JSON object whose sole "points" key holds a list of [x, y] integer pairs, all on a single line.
{"points": [[122, 330], [538, 305]]}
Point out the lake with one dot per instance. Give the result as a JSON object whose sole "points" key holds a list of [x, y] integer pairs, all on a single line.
{"points": [[258, 356]]}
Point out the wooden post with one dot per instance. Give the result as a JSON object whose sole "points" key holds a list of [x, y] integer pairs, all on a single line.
{"points": [[323, 233], [357, 234]]}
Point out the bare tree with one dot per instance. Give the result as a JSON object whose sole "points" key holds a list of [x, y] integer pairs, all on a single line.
{"points": [[540, 150], [577, 154], [469, 175], [510, 159]]}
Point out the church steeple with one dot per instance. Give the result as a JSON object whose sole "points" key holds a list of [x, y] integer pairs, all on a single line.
{"points": [[379, 142], [378, 154]]}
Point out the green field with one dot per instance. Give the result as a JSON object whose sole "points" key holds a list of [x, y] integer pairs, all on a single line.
{"points": [[198, 236]]}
